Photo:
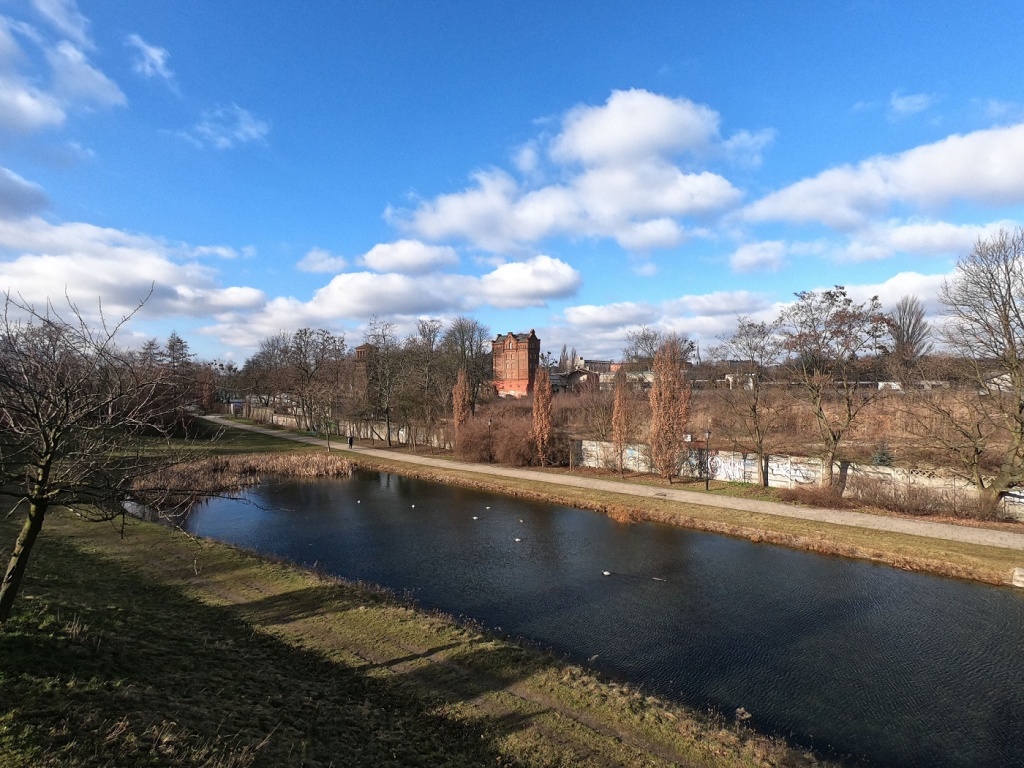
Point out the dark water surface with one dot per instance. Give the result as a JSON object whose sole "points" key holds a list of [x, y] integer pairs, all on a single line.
{"points": [[861, 661]]}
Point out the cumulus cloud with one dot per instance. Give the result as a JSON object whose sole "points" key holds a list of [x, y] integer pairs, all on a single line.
{"points": [[18, 197], [634, 125], [617, 174], [766, 256], [529, 283], [41, 261], [409, 256], [226, 128], [650, 234], [319, 260], [702, 317], [626, 203], [364, 294], [927, 238], [616, 315], [972, 167]]}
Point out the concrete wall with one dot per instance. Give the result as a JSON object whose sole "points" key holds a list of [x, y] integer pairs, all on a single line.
{"points": [[909, 487]]}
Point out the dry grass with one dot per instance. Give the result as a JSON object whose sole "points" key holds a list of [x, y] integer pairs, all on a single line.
{"points": [[175, 489], [217, 658]]}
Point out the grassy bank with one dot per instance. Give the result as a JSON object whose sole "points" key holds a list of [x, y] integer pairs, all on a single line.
{"points": [[159, 650], [991, 565]]}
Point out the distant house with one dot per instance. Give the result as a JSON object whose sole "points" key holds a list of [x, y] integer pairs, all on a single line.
{"points": [[515, 357]]}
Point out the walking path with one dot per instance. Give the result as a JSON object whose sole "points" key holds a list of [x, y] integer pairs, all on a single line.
{"points": [[962, 533]]}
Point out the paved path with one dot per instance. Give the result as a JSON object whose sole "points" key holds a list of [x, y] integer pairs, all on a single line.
{"points": [[984, 536]]}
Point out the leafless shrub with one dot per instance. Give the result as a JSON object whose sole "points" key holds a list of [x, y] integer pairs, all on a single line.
{"points": [[815, 496], [512, 442]]}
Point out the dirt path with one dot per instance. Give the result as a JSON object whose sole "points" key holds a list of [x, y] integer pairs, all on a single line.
{"points": [[944, 531]]}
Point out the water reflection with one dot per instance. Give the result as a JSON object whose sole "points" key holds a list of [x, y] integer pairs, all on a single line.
{"points": [[862, 660]]}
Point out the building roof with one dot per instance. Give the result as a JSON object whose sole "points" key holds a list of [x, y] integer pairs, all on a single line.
{"points": [[516, 336]]}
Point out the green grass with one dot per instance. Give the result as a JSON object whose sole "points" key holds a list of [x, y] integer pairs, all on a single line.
{"points": [[157, 650]]}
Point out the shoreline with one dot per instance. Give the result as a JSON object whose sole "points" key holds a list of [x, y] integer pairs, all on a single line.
{"points": [[386, 675], [972, 562]]}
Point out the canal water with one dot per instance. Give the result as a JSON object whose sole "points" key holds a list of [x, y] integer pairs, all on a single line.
{"points": [[866, 663]]}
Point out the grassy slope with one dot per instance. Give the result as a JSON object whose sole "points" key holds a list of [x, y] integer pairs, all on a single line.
{"points": [[158, 650]]}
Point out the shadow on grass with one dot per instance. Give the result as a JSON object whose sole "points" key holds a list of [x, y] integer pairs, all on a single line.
{"points": [[110, 667]]}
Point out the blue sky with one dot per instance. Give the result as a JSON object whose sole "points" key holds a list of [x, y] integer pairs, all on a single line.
{"points": [[577, 168]]}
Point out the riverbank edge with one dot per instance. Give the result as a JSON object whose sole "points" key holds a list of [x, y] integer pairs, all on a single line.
{"points": [[563, 713], [972, 562]]}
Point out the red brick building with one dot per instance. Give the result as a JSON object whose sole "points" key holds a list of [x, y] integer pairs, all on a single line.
{"points": [[516, 357]]}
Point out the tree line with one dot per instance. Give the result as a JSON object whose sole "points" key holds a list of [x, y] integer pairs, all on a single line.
{"points": [[79, 412]]}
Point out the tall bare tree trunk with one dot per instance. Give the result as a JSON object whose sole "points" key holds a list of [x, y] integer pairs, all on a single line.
{"points": [[542, 414]]}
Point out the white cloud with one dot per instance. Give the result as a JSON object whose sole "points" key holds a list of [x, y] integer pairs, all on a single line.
{"points": [[361, 295], [767, 256], [24, 108], [227, 127], [630, 204], [64, 16], [18, 197], [617, 315], [717, 303], [644, 268], [746, 147], [634, 125], [903, 105], [614, 194], [627, 186], [76, 80], [529, 283], [653, 233], [41, 261], [319, 260], [977, 167], [927, 238], [220, 251], [700, 317], [150, 60], [33, 99], [409, 256]]}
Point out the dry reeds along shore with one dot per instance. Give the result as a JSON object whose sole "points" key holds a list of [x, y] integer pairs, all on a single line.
{"points": [[174, 489]]}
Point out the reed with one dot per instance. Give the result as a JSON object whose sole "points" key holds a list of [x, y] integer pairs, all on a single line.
{"points": [[176, 488]]}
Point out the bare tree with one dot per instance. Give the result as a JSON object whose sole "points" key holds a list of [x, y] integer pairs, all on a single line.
{"points": [[424, 387], [383, 370], [77, 413], [911, 337], [831, 342], [670, 405], [542, 424], [467, 345], [984, 303], [641, 347], [266, 376], [314, 359], [752, 405]]}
